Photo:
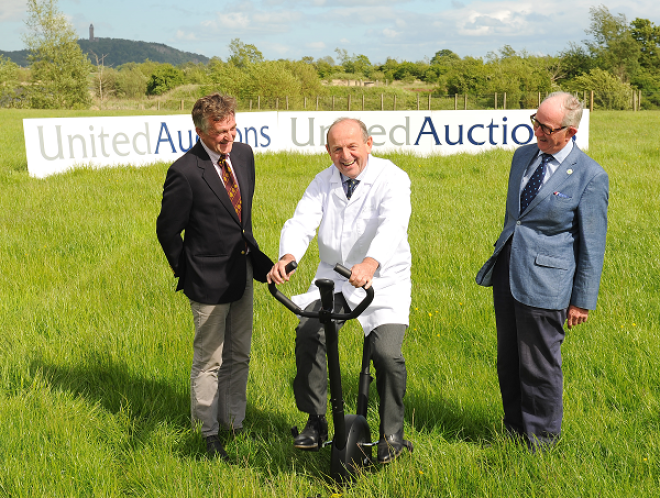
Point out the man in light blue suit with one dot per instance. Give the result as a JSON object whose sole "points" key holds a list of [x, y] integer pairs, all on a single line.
{"points": [[546, 267]]}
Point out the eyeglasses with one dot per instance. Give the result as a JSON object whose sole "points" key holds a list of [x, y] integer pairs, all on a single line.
{"points": [[544, 128]]}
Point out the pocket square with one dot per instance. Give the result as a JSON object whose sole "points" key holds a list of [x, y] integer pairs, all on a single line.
{"points": [[563, 196]]}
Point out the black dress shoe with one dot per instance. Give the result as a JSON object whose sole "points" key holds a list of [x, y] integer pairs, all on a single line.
{"points": [[313, 435], [214, 448], [542, 443], [229, 434], [390, 447]]}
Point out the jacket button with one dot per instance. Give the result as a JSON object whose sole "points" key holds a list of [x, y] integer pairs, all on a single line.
{"points": [[242, 252], [517, 222]]}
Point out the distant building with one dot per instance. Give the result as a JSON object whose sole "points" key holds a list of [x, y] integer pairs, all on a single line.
{"points": [[350, 83], [91, 33]]}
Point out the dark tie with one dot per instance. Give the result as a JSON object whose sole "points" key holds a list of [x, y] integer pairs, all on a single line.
{"points": [[351, 184], [534, 184], [230, 184]]}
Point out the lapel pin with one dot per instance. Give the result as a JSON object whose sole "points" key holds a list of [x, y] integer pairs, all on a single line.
{"points": [[569, 171]]}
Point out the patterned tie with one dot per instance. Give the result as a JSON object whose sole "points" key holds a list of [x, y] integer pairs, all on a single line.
{"points": [[352, 183], [534, 184], [230, 184]]}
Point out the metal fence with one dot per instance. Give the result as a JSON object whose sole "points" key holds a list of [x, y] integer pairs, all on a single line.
{"points": [[637, 100], [422, 101]]}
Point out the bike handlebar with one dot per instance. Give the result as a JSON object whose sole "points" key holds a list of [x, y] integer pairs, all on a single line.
{"points": [[293, 307]]}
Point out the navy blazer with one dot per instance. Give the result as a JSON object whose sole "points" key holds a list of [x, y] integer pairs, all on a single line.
{"points": [[558, 243], [209, 259]]}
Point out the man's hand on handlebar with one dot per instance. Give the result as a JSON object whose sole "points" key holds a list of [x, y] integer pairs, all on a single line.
{"points": [[362, 274], [277, 273]]}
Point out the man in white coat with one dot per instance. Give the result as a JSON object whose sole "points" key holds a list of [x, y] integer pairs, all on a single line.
{"points": [[361, 207]]}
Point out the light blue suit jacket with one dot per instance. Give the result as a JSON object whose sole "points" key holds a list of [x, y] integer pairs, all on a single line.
{"points": [[558, 243]]}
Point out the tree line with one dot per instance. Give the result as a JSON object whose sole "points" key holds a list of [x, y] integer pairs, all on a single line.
{"points": [[618, 58]]}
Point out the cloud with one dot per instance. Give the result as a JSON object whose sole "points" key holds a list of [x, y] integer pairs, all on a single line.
{"points": [[233, 20], [245, 6], [480, 27], [502, 21], [370, 3], [390, 33], [414, 29], [183, 36], [290, 3], [333, 3], [410, 29], [280, 17], [12, 10], [262, 23], [402, 29], [280, 49], [363, 16], [319, 45]]}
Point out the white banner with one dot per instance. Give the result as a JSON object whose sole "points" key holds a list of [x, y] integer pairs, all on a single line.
{"points": [[54, 145]]}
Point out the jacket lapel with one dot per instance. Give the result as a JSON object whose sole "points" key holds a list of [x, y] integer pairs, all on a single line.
{"points": [[336, 187], [212, 179], [563, 172], [372, 172], [517, 172]]}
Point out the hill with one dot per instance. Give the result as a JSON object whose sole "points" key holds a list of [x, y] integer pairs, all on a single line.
{"points": [[119, 51], [17, 57]]}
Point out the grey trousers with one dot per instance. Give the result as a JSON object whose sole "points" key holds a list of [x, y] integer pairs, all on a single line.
{"points": [[221, 359], [528, 361], [310, 385]]}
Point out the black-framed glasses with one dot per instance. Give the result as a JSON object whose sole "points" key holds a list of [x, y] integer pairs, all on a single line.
{"points": [[544, 128]]}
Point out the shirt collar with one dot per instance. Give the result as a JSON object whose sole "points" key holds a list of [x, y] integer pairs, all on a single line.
{"points": [[562, 154], [214, 156], [360, 177]]}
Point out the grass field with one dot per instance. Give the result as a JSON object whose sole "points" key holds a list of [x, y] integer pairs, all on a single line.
{"points": [[95, 347]]}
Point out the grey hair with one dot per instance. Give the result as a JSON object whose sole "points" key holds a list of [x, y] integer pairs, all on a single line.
{"points": [[363, 128], [214, 107], [571, 106]]}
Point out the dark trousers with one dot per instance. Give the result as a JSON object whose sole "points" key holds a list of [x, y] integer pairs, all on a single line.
{"points": [[528, 361], [310, 386]]}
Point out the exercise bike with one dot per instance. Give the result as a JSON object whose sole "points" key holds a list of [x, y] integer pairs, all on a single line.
{"points": [[351, 444]]}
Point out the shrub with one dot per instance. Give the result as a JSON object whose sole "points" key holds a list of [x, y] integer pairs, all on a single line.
{"points": [[165, 77]]}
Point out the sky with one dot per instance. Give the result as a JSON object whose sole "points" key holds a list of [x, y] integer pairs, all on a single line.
{"points": [[411, 30]]}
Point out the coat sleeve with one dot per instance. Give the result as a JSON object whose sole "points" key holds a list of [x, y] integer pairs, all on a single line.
{"points": [[173, 218], [592, 228]]}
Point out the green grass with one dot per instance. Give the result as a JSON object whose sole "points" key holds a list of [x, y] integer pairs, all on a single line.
{"points": [[95, 348]]}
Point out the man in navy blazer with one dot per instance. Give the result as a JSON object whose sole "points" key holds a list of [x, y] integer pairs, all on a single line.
{"points": [[215, 263], [546, 267]]}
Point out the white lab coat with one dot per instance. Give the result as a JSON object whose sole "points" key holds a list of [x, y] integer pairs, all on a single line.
{"points": [[374, 223]]}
